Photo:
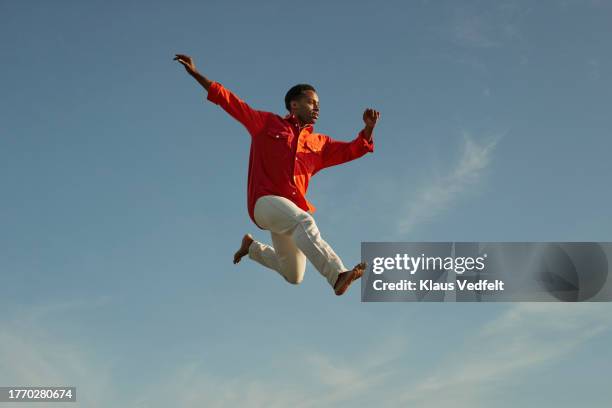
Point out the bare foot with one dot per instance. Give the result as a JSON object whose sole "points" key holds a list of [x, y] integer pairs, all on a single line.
{"points": [[346, 278], [244, 248]]}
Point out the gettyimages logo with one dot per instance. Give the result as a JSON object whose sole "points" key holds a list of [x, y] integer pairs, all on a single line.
{"points": [[411, 264], [468, 271]]}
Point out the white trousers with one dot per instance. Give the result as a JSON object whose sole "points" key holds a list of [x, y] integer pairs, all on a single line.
{"points": [[295, 238]]}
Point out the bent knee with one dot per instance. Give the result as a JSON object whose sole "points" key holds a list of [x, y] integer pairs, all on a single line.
{"points": [[293, 276], [294, 280]]}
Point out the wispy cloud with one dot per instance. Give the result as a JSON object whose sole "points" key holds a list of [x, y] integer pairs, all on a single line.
{"points": [[527, 335], [437, 195], [33, 355], [348, 382], [473, 31], [305, 380], [522, 337], [193, 385], [489, 28]]}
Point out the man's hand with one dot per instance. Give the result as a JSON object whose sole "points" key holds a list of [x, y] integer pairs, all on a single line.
{"points": [[187, 62], [370, 117]]}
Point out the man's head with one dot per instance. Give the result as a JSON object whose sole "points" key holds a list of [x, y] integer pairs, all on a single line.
{"points": [[303, 102]]}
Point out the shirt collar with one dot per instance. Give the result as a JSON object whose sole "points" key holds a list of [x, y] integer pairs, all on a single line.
{"points": [[294, 121]]}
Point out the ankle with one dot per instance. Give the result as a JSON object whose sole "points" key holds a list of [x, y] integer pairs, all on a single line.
{"points": [[338, 279]]}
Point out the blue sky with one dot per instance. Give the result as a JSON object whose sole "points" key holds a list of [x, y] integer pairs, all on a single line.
{"points": [[124, 198]]}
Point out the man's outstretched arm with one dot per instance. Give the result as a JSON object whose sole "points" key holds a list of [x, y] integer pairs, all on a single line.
{"points": [[252, 119], [337, 152], [190, 67]]}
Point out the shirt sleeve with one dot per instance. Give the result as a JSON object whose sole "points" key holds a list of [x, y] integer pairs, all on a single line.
{"points": [[336, 152], [253, 120]]}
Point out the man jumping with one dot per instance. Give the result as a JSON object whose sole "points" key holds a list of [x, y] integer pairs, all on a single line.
{"points": [[285, 153]]}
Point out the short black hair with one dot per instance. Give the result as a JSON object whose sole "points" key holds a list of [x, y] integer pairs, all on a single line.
{"points": [[295, 92]]}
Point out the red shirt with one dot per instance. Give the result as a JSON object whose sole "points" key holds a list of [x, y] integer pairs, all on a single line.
{"points": [[283, 157]]}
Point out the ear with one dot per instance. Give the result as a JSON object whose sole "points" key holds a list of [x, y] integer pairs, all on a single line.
{"points": [[293, 104]]}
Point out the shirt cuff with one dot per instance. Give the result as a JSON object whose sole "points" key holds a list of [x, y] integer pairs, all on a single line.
{"points": [[214, 92], [368, 146]]}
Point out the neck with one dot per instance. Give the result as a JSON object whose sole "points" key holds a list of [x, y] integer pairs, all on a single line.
{"points": [[301, 123]]}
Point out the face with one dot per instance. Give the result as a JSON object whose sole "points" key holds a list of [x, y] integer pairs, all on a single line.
{"points": [[306, 108]]}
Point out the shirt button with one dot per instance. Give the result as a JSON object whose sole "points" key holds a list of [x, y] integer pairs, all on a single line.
{"points": [[293, 193], [277, 136]]}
